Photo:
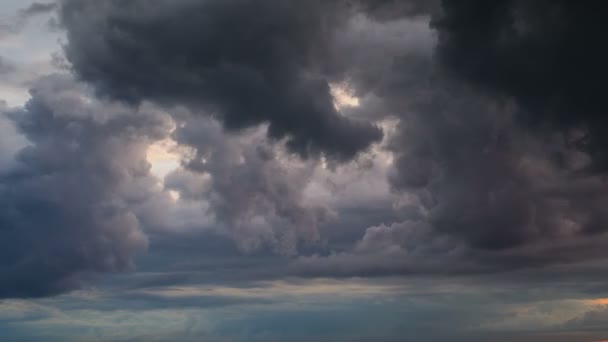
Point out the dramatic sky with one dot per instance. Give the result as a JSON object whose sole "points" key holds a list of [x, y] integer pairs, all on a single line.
{"points": [[291, 170]]}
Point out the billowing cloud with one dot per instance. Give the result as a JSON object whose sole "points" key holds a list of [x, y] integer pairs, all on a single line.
{"points": [[545, 55], [481, 174], [66, 202], [215, 56], [516, 194], [450, 152]]}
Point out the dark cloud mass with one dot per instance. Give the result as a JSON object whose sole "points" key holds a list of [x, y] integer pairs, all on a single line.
{"points": [[515, 154], [547, 55], [499, 136], [66, 203], [499, 115], [218, 57]]}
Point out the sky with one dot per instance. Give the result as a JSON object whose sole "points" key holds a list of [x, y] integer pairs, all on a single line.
{"points": [[272, 170]]}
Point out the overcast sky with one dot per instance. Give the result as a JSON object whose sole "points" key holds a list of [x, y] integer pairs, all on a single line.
{"points": [[272, 170]]}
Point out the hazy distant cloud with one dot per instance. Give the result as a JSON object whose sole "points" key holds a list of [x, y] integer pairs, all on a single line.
{"points": [[38, 8], [480, 174], [6, 67], [16, 23]]}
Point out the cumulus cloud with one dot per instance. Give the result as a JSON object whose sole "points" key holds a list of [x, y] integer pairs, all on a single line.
{"points": [[254, 189], [449, 151], [67, 201], [544, 55], [465, 146]]}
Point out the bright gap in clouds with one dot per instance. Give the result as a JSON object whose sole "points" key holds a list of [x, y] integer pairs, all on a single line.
{"points": [[343, 96], [163, 157]]}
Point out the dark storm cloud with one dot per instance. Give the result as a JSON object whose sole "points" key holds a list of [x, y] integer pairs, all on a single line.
{"points": [[66, 204], [246, 62], [497, 150], [547, 55], [488, 179], [497, 182], [505, 193]]}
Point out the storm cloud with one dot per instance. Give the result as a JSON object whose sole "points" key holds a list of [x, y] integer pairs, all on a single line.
{"points": [[253, 169], [254, 189], [545, 55], [214, 56], [482, 137], [65, 203]]}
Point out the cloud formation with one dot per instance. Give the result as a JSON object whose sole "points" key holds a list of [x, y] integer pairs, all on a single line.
{"points": [[370, 170], [254, 189], [394, 141], [464, 145], [545, 55], [215, 57], [18, 22], [66, 204]]}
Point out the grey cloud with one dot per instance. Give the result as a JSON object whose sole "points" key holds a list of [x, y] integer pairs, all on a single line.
{"points": [[465, 147], [16, 23], [409, 247], [505, 193], [214, 55], [6, 67], [546, 55], [66, 205], [490, 181], [38, 8], [252, 188], [10, 141], [484, 177], [142, 301], [502, 182]]}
